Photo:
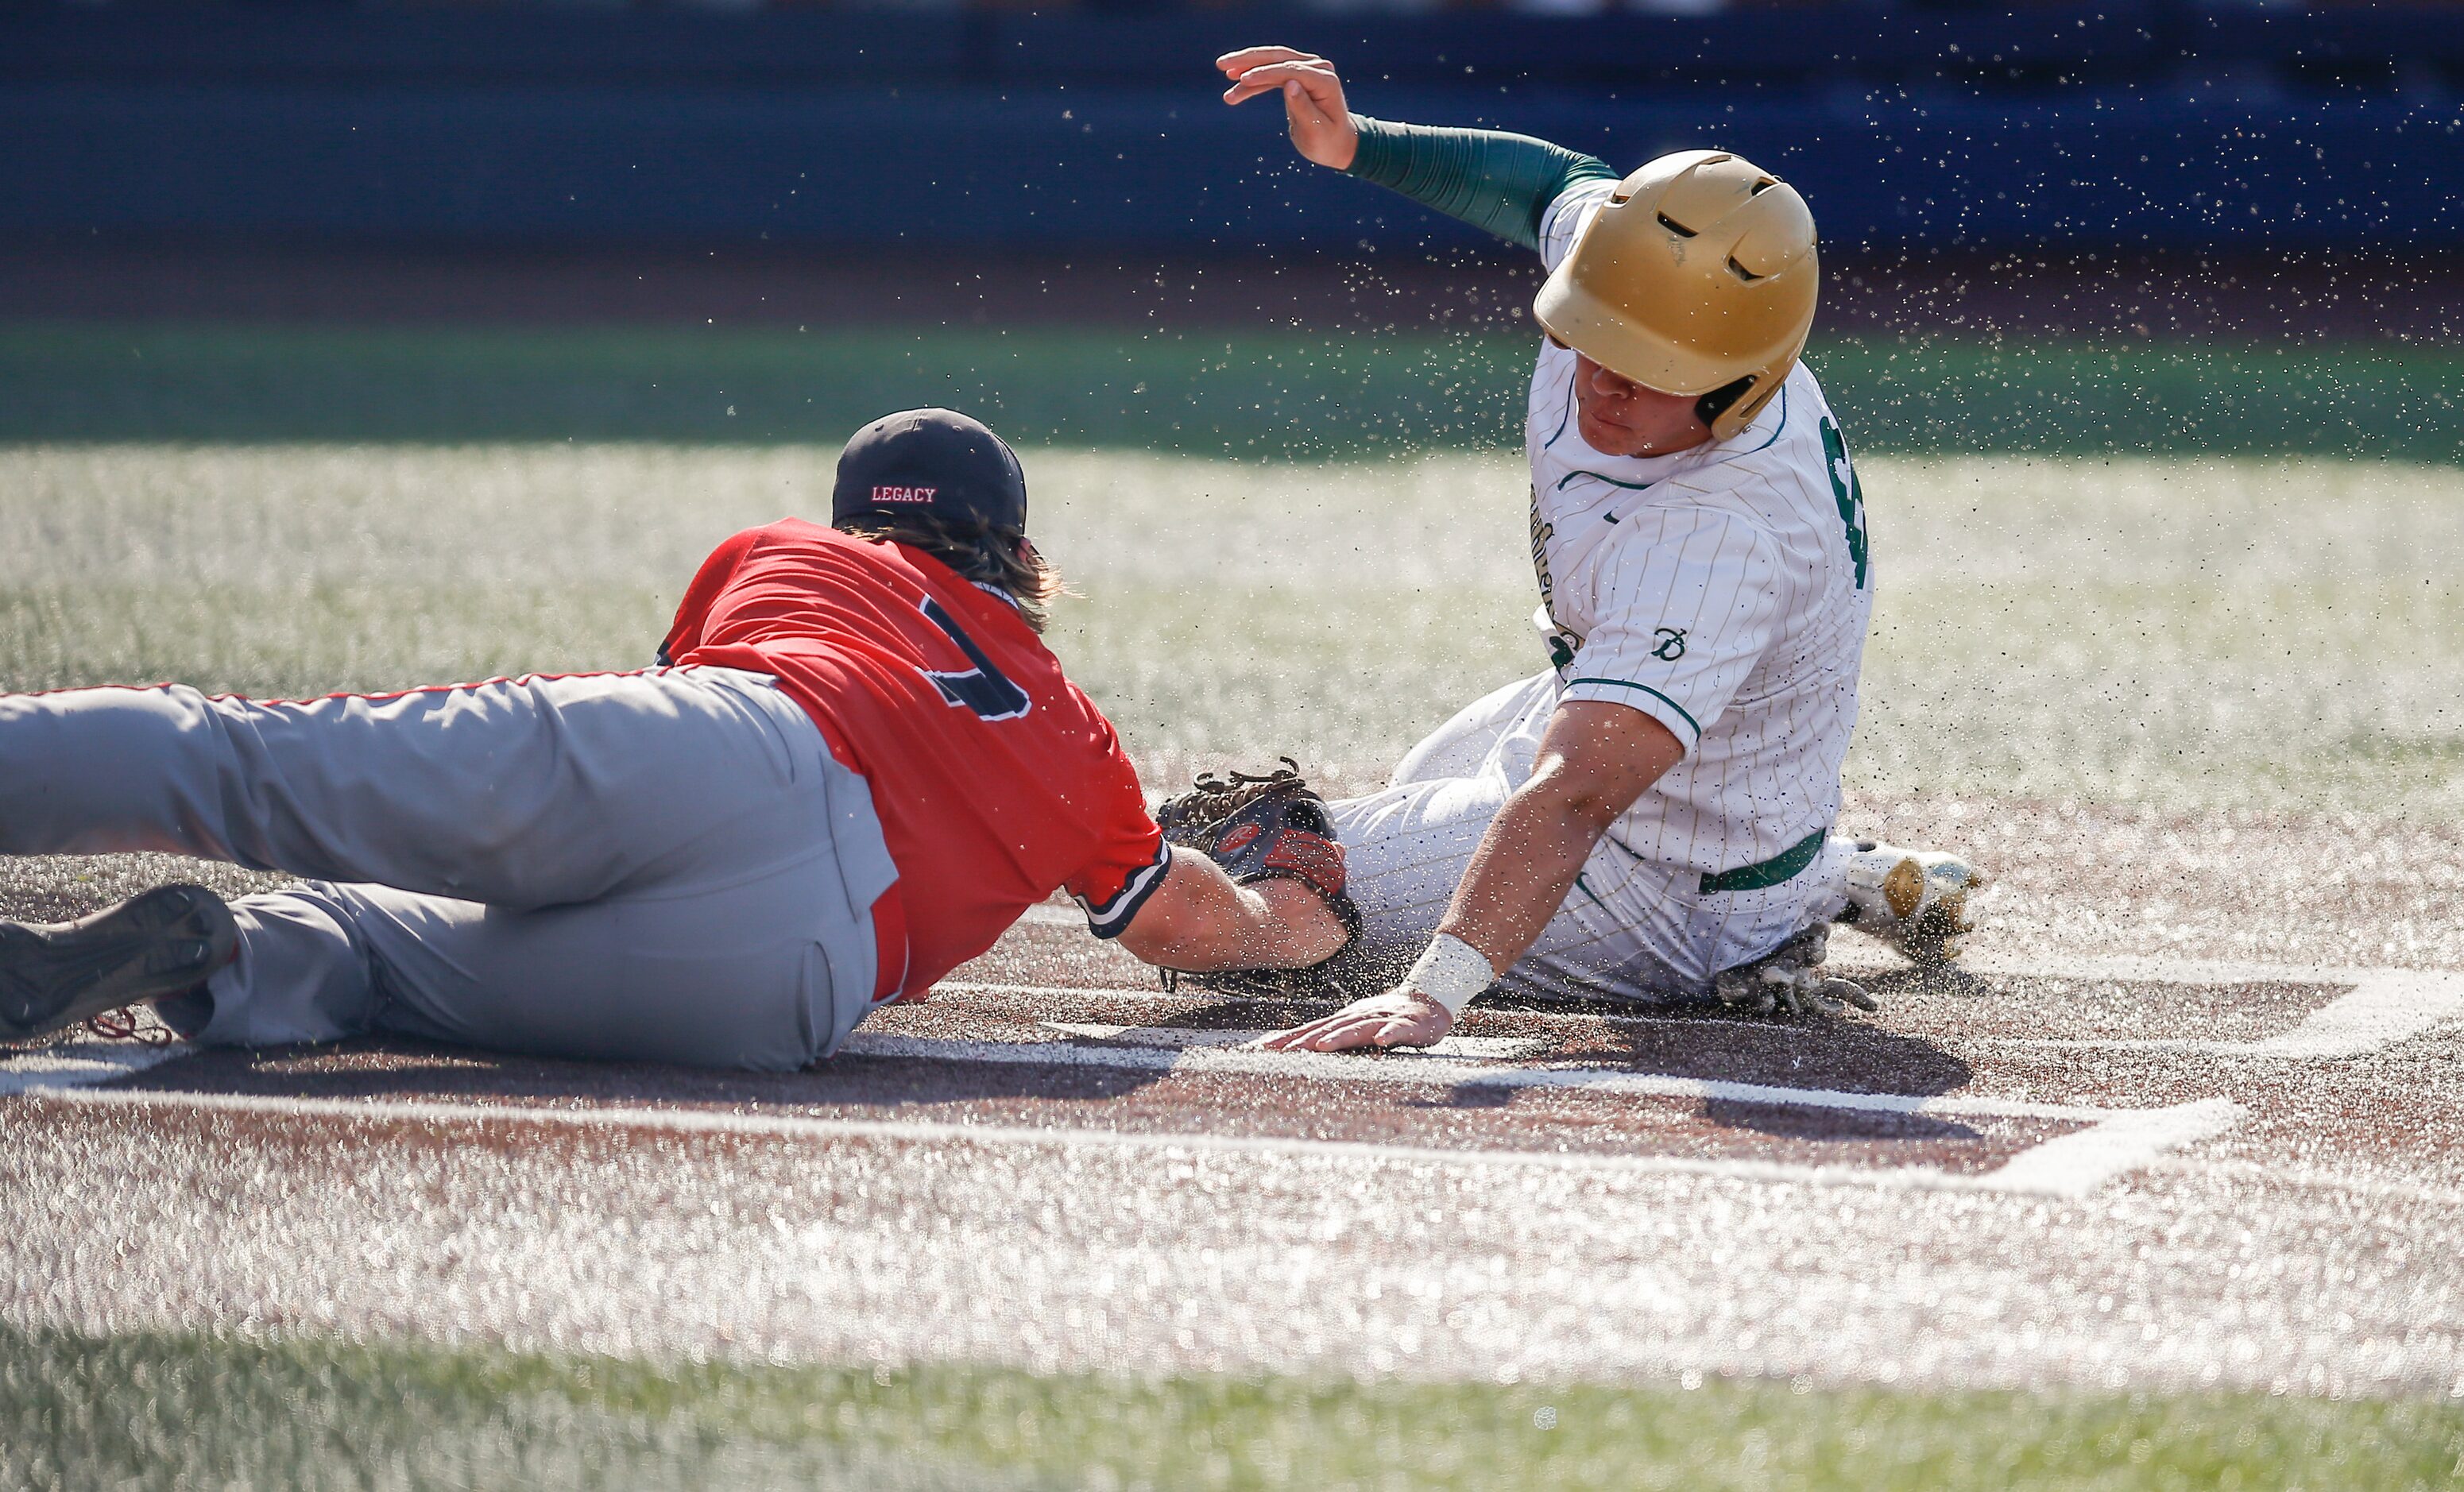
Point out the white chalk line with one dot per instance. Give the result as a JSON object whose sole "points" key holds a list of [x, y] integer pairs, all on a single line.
{"points": [[1467, 1048], [2074, 1176], [1403, 1069], [86, 1063], [2381, 1007], [2113, 1143], [2078, 1163], [81, 1063]]}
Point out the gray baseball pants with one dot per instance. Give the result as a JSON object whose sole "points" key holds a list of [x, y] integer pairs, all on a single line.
{"points": [[666, 866]]}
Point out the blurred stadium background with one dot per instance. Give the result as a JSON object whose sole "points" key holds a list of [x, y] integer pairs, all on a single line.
{"points": [[2221, 226]]}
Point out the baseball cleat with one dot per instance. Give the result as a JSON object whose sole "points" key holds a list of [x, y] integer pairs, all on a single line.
{"points": [[1915, 900], [167, 940], [1789, 980]]}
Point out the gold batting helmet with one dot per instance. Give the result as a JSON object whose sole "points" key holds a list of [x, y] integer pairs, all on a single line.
{"points": [[1697, 278]]}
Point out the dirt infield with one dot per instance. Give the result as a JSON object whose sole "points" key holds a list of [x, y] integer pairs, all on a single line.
{"points": [[2075, 1161]]}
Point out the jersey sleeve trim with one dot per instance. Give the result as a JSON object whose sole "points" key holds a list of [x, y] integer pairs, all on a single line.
{"points": [[1632, 487], [1112, 918], [1646, 688]]}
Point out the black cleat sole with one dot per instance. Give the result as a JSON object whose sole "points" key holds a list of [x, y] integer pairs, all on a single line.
{"points": [[164, 942]]}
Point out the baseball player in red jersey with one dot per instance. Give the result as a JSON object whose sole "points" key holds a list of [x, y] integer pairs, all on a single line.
{"points": [[854, 766]]}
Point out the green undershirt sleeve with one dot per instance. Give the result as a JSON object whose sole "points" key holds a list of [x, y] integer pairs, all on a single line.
{"points": [[1489, 179]]}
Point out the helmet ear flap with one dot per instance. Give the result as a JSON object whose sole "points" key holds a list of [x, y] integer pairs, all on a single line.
{"points": [[1719, 401]]}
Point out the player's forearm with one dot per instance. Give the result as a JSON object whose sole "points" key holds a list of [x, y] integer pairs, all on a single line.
{"points": [[1493, 179], [1526, 866], [1201, 920]]}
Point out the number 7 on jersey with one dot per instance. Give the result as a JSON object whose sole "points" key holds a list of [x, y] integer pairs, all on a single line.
{"points": [[983, 689]]}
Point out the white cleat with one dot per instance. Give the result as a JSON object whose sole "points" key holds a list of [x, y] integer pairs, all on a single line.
{"points": [[1916, 900]]}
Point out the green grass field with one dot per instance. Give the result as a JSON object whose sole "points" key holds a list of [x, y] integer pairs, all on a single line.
{"points": [[2215, 635], [1340, 396], [144, 1411]]}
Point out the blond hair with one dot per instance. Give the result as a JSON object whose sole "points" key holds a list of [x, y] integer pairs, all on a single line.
{"points": [[1000, 558]]}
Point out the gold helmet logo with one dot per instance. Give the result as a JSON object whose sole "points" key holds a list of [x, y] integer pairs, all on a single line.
{"points": [[1699, 277]]}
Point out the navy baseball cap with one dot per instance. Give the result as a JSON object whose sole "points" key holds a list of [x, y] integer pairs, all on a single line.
{"points": [[934, 461]]}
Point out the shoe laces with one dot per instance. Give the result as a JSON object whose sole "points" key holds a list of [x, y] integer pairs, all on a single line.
{"points": [[1211, 796], [125, 1024]]}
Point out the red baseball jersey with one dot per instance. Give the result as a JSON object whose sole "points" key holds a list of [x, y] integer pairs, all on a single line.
{"points": [[995, 779]]}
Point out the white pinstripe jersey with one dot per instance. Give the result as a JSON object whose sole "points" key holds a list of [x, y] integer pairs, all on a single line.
{"points": [[1724, 591]]}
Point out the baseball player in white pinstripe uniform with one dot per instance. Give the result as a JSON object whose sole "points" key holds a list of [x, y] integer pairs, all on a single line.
{"points": [[1649, 817]]}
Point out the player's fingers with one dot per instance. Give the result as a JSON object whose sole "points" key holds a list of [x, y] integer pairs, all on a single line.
{"points": [[1332, 1028], [1283, 1039], [1317, 79], [1318, 82], [1287, 1040], [1342, 1033], [1248, 88], [1240, 60], [1304, 1038]]}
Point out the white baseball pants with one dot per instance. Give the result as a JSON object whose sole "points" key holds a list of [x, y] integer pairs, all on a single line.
{"points": [[1630, 930], [666, 866]]}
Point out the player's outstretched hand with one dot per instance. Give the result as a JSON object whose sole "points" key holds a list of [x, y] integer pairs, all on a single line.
{"points": [[1314, 106], [1397, 1017]]}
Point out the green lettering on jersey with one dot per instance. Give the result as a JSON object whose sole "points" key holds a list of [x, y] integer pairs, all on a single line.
{"points": [[1541, 534], [1846, 490], [1562, 643]]}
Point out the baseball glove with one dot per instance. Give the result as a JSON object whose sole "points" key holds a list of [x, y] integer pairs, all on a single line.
{"points": [[1262, 828]]}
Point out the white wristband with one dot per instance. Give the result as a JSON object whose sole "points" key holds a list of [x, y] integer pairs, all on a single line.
{"points": [[1451, 973]]}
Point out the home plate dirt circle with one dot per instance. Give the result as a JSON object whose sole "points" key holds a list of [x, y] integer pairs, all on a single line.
{"points": [[2077, 1169]]}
